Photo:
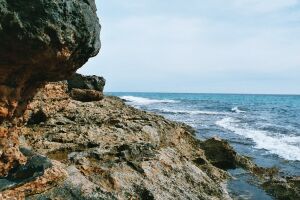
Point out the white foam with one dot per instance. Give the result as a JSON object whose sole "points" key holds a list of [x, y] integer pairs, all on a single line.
{"points": [[193, 112], [287, 147], [237, 110], [145, 101]]}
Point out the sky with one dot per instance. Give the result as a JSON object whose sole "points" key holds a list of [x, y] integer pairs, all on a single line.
{"points": [[212, 46]]}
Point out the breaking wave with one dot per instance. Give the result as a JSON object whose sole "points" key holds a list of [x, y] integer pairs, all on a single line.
{"points": [[145, 101], [192, 112], [237, 110], [287, 147]]}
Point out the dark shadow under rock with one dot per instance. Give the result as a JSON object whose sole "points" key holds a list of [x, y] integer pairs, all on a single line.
{"points": [[34, 167], [220, 153], [37, 117]]}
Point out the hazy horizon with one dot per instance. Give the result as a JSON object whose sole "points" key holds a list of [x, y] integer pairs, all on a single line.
{"points": [[210, 93], [233, 46]]}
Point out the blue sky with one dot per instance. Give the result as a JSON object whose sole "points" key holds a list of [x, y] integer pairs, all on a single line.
{"points": [[219, 46]]}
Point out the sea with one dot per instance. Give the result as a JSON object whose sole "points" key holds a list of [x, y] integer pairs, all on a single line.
{"points": [[263, 127]]}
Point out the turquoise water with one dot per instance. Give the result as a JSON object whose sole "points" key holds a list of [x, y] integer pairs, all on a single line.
{"points": [[264, 127]]}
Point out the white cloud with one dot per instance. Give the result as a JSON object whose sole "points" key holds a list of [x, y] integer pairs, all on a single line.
{"points": [[210, 47]]}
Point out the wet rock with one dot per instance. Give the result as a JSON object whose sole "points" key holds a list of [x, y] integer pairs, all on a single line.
{"points": [[284, 189], [220, 153]]}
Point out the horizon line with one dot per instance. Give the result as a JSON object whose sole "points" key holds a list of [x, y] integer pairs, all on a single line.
{"points": [[224, 93]]}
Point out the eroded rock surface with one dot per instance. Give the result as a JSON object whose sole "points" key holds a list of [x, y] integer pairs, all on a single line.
{"points": [[108, 150], [41, 40], [114, 151]]}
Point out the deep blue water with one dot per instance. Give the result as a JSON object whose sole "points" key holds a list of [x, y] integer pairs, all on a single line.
{"points": [[264, 127]]}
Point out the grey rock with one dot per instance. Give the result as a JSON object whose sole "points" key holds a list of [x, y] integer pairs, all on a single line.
{"points": [[55, 37], [79, 81]]}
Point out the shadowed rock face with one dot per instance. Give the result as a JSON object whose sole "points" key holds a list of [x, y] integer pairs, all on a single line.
{"points": [[41, 40], [86, 88]]}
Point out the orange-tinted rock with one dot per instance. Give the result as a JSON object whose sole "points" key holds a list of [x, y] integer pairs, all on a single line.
{"points": [[51, 178], [10, 155], [40, 41], [85, 95]]}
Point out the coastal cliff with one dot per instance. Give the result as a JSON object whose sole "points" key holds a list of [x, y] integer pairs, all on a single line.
{"points": [[66, 140], [105, 149], [40, 41]]}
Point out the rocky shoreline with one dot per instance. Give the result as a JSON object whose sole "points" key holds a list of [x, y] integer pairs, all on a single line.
{"points": [[108, 150], [66, 140], [113, 151]]}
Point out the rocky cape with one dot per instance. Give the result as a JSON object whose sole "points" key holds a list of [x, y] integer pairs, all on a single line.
{"points": [[106, 149], [65, 140]]}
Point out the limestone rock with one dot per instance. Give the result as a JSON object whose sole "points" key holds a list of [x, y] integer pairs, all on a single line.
{"points": [[41, 40], [114, 151]]}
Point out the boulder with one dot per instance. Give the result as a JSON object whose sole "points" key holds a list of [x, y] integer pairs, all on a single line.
{"points": [[86, 88], [222, 155], [41, 40], [86, 82], [86, 95]]}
